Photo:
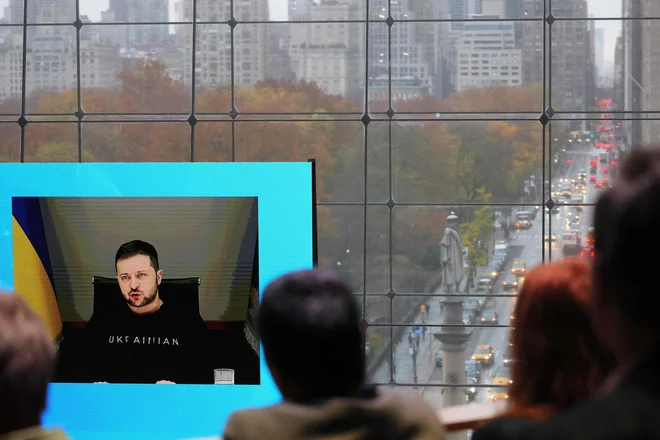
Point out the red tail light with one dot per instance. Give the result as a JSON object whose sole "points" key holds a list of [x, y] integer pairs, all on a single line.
{"points": [[592, 254], [582, 254]]}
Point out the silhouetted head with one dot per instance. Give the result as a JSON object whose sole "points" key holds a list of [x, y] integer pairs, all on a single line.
{"points": [[627, 229], [309, 324], [27, 363], [558, 359]]}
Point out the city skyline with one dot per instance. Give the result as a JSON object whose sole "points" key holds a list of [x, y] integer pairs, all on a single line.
{"points": [[279, 12]]}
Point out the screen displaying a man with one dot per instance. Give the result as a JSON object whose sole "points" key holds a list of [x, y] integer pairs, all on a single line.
{"points": [[142, 337]]}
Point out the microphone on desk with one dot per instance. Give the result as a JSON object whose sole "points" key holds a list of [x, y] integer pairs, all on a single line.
{"points": [[223, 376]]}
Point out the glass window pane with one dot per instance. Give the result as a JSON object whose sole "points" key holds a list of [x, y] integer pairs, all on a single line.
{"points": [[336, 146], [51, 64], [10, 140], [40, 12], [51, 142], [472, 161], [162, 141]]}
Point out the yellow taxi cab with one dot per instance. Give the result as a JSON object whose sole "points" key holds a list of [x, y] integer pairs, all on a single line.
{"points": [[499, 393], [484, 354], [518, 267]]}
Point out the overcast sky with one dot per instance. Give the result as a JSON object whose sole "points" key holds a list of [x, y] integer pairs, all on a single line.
{"points": [[597, 9]]}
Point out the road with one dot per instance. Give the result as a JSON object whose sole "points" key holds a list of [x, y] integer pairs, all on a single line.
{"points": [[525, 245]]}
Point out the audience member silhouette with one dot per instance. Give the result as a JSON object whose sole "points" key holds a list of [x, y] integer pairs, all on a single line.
{"points": [[27, 363], [558, 362], [309, 324]]}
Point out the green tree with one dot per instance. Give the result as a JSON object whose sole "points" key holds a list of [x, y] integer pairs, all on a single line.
{"points": [[477, 233]]}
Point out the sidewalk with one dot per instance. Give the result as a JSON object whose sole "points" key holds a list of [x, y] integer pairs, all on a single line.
{"points": [[402, 358]]}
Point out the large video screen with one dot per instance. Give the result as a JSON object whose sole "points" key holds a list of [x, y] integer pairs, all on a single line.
{"points": [[149, 287], [148, 290]]}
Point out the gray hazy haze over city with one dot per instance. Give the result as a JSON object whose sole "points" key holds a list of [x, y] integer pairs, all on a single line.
{"points": [[278, 11]]}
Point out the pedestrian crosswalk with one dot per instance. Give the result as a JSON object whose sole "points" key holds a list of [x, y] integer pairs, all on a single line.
{"points": [[527, 237]]}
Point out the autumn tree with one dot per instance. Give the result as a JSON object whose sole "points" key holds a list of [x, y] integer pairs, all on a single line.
{"points": [[477, 233]]}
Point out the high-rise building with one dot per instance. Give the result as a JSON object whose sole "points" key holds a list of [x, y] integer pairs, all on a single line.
{"points": [[330, 54], [434, 37], [619, 69], [299, 9], [569, 50], [486, 56], [216, 54], [399, 63], [52, 63], [136, 12], [599, 57], [494, 8], [641, 53]]}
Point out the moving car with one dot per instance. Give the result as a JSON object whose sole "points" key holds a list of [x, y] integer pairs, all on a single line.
{"points": [[510, 282], [484, 285], [500, 392], [489, 317], [591, 235], [593, 179], [484, 354], [503, 372], [493, 272], [519, 267], [522, 224]]}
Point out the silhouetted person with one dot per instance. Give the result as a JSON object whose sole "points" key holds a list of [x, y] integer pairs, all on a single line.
{"points": [[554, 366], [309, 324], [27, 363], [624, 309]]}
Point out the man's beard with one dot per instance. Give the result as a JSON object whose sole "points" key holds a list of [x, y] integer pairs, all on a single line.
{"points": [[145, 301]]}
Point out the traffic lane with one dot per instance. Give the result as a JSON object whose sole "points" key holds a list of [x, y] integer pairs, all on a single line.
{"points": [[499, 338]]}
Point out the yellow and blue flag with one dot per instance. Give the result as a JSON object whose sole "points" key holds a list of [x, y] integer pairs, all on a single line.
{"points": [[33, 275]]}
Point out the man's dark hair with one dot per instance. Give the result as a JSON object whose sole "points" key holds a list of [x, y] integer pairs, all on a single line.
{"points": [[27, 363], [309, 324], [627, 228], [137, 247]]}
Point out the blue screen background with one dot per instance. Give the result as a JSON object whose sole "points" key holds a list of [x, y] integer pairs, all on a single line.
{"points": [[112, 411]]}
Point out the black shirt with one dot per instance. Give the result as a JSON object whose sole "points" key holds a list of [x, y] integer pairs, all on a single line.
{"points": [[125, 347]]}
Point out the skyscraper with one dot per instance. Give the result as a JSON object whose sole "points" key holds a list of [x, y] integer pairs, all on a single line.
{"points": [[599, 55], [569, 50], [143, 11], [216, 57], [641, 67]]}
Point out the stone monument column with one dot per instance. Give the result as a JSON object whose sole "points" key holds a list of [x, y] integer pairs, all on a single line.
{"points": [[452, 334]]}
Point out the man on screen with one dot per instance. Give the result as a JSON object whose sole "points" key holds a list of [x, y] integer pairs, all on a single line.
{"points": [[147, 339]]}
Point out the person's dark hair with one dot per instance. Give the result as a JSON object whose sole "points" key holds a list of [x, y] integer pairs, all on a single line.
{"points": [[309, 324], [626, 223], [27, 363], [137, 247]]}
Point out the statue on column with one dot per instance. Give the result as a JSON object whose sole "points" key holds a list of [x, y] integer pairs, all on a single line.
{"points": [[451, 256]]}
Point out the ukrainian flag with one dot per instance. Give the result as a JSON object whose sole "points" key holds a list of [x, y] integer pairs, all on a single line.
{"points": [[33, 277]]}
